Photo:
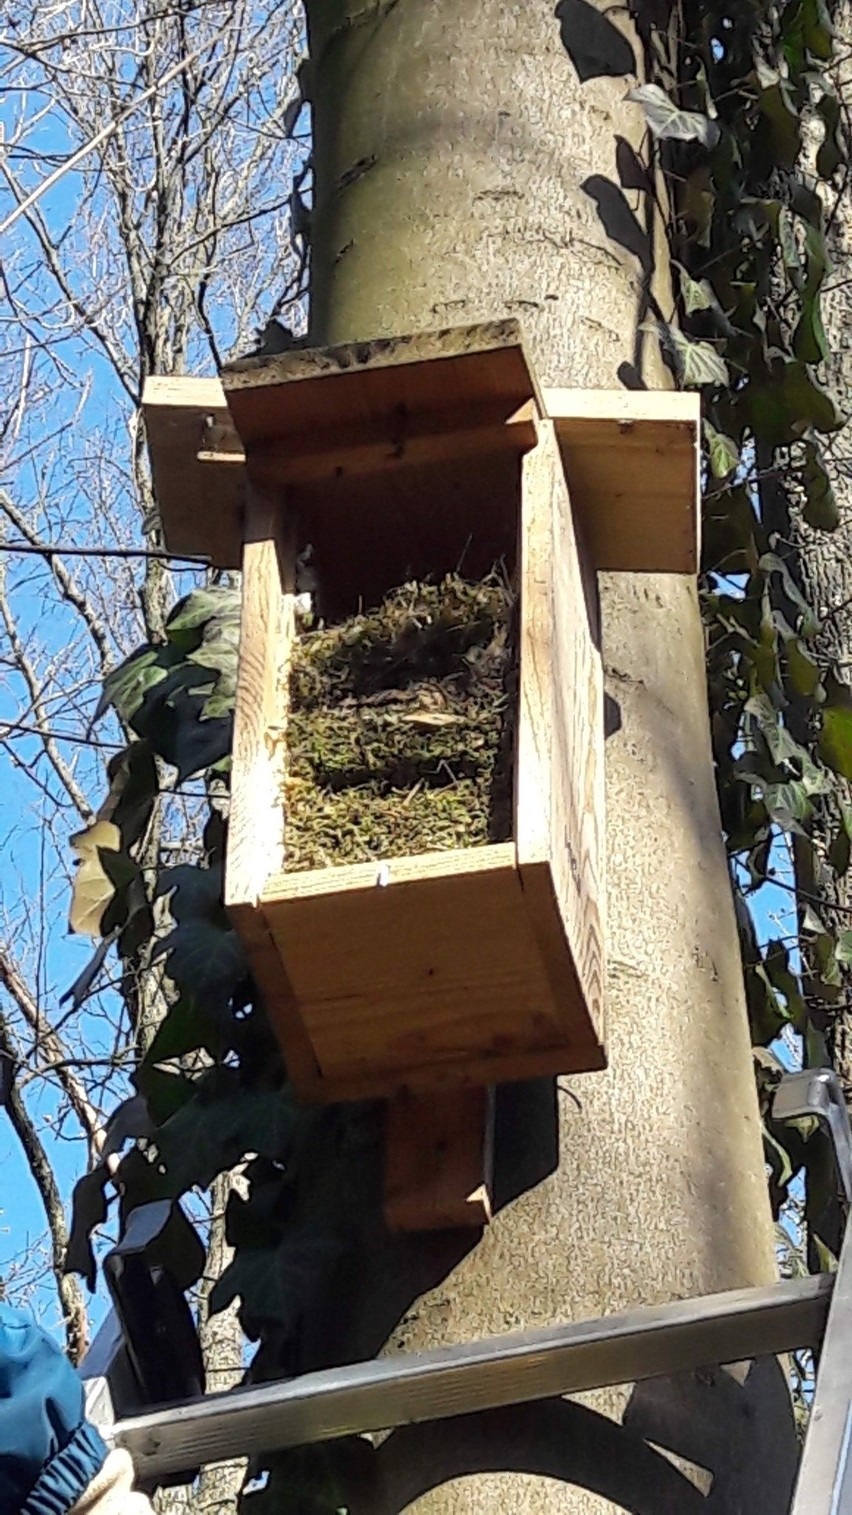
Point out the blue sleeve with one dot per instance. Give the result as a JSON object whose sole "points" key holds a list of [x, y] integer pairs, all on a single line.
{"points": [[49, 1454]]}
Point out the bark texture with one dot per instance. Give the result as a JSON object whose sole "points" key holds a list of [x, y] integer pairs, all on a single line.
{"points": [[822, 562], [453, 144]]}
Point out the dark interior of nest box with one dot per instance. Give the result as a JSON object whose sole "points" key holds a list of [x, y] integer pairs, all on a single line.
{"points": [[372, 532]]}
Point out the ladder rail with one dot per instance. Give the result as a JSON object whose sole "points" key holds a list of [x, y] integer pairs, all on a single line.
{"points": [[517, 1368]]}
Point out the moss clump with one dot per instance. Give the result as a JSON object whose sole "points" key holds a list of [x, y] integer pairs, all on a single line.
{"points": [[400, 726]]}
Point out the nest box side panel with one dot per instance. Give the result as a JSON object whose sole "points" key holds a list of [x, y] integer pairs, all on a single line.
{"points": [[405, 973], [560, 781]]}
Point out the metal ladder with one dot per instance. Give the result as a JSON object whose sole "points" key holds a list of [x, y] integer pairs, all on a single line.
{"points": [[526, 1365]]}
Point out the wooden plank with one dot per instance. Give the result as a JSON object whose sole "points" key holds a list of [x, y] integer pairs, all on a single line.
{"points": [[632, 463], [256, 825], [203, 511], [631, 458], [577, 796], [439, 1152], [413, 967], [560, 795], [279, 1001], [390, 444], [298, 394]]}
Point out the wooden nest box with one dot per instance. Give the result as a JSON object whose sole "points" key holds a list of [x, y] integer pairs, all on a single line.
{"points": [[418, 461]]}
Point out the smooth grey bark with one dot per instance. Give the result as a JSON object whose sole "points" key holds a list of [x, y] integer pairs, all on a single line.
{"points": [[452, 145]]}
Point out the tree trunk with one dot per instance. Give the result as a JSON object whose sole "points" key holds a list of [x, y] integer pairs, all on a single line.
{"points": [[822, 562], [452, 144]]}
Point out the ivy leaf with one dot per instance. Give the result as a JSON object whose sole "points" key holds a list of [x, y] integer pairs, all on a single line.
{"points": [[220, 1126], [203, 959], [835, 738], [830, 154], [696, 363], [132, 776], [128, 1121], [88, 1210], [817, 29], [697, 294], [194, 893], [127, 685], [820, 509], [84, 982], [165, 1093], [803, 673], [596, 47], [668, 122], [840, 851], [185, 1027], [186, 623], [779, 136], [722, 452], [770, 563], [93, 888], [809, 339], [699, 203]]}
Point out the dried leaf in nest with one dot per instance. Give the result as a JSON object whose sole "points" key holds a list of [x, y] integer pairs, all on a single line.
{"points": [[399, 737]]}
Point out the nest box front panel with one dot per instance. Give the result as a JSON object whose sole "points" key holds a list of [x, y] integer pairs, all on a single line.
{"points": [[413, 977]]}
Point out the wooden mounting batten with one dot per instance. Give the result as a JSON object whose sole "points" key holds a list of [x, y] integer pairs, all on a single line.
{"points": [[630, 457]]}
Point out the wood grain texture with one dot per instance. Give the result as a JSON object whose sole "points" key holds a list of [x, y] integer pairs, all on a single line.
{"points": [[439, 1158], [306, 391], [416, 969], [202, 505], [256, 826], [559, 786], [631, 458]]}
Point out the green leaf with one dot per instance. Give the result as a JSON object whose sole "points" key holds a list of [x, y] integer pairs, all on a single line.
{"points": [[194, 893], [186, 623], [830, 154], [722, 451], [185, 1027], [771, 563], [217, 1129], [779, 136], [696, 363], [810, 342], [820, 509], [803, 673], [668, 122], [203, 959], [840, 851], [697, 294], [133, 787], [817, 29], [835, 739], [88, 1211], [843, 949], [127, 685], [165, 1092]]}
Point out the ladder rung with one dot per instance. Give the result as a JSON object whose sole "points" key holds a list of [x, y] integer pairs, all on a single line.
{"points": [[523, 1366]]}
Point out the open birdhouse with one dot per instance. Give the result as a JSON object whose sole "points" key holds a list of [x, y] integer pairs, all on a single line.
{"points": [[416, 846]]}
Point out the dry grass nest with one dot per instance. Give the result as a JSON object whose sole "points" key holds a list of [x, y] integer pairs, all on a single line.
{"points": [[400, 726]]}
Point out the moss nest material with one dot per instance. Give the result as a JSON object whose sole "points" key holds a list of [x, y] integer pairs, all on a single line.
{"points": [[400, 726]]}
